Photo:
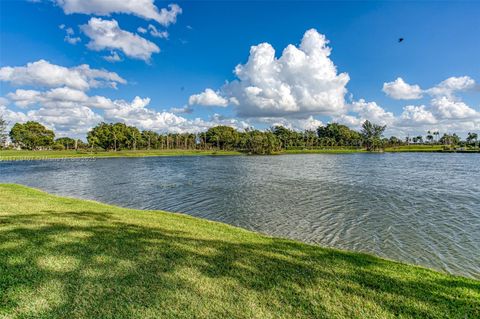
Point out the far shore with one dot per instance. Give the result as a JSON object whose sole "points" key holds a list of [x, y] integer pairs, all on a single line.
{"points": [[13, 155]]}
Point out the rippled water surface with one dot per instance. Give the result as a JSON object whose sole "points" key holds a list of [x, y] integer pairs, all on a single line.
{"points": [[417, 208]]}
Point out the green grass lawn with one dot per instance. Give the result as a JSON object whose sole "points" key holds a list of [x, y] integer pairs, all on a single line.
{"points": [[31, 155], [324, 151], [415, 148], [69, 258], [39, 155]]}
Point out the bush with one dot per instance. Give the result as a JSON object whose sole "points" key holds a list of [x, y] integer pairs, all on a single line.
{"points": [[58, 147]]}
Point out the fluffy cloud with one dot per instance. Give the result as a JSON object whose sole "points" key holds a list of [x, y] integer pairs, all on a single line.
{"points": [[309, 123], [72, 121], [365, 111], [71, 112], [400, 90], [141, 8], [417, 115], [445, 112], [451, 85], [448, 108], [10, 116], [44, 74], [373, 112], [106, 34], [58, 98], [138, 114], [208, 98], [303, 81]]}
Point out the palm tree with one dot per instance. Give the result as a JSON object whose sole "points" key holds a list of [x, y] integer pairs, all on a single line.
{"points": [[429, 137], [472, 138], [436, 133]]}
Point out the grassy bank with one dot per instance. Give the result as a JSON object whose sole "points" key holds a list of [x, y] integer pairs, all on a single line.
{"points": [[324, 151], [62, 257], [35, 155], [415, 148], [9, 155]]}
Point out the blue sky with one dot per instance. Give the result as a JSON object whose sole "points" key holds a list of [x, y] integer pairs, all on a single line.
{"points": [[207, 40]]}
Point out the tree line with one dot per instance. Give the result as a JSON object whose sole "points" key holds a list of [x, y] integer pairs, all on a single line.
{"points": [[119, 136]]}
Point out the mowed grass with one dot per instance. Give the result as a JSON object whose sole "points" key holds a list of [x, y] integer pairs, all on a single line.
{"points": [[324, 151], [10, 155], [69, 258], [415, 148], [50, 154]]}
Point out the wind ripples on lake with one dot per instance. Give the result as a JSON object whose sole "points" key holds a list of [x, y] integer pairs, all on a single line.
{"points": [[417, 208]]}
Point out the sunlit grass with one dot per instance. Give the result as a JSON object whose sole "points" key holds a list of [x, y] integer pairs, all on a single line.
{"points": [[50, 154], [68, 258], [324, 151], [415, 148]]}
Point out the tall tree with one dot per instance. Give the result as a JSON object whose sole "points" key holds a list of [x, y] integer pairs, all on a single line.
{"points": [[429, 137], [372, 135], [31, 135], [448, 139], [437, 134], [472, 138], [223, 137], [341, 134]]}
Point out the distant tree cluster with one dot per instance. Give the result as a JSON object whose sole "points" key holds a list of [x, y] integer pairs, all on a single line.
{"points": [[31, 135], [119, 136], [34, 136]]}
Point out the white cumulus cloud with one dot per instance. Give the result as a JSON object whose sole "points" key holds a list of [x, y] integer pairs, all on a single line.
{"points": [[57, 98], [448, 108], [417, 115], [73, 121], [45, 74], [301, 82], [452, 85], [208, 98], [106, 34], [145, 9], [138, 114], [361, 110], [400, 90], [309, 123]]}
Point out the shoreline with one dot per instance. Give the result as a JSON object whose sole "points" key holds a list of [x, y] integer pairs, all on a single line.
{"points": [[23, 155], [113, 206], [188, 265]]}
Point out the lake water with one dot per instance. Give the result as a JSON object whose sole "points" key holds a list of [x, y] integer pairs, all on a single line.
{"points": [[417, 208]]}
